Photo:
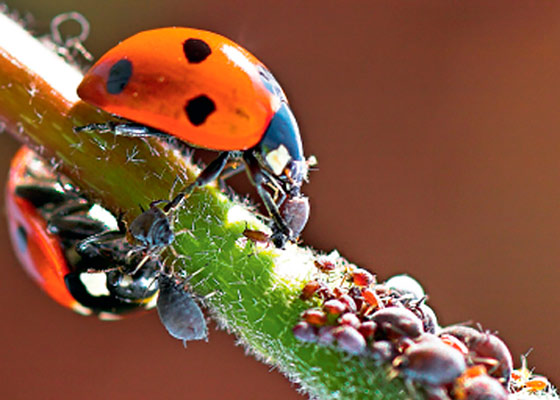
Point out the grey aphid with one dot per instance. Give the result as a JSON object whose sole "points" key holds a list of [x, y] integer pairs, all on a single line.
{"points": [[179, 313]]}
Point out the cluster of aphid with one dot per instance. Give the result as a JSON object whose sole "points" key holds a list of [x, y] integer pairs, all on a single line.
{"points": [[392, 324]]}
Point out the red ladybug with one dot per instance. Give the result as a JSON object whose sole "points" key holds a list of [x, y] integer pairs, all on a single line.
{"points": [[209, 92], [47, 220]]}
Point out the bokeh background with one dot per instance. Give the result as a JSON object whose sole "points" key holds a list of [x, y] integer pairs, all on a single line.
{"points": [[437, 128]]}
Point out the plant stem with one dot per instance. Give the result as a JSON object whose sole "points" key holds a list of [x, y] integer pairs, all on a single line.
{"points": [[255, 287]]}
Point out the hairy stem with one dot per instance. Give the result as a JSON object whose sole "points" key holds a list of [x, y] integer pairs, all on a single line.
{"points": [[256, 287]]}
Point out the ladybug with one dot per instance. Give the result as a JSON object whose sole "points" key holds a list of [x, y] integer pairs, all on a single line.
{"points": [[210, 93], [47, 219]]}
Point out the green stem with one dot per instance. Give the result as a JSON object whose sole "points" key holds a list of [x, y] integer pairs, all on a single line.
{"points": [[255, 288]]}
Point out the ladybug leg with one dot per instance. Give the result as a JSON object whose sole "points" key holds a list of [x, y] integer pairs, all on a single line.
{"points": [[233, 168], [70, 221], [129, 129], [40, 195], [281, 231], [208, 174]]}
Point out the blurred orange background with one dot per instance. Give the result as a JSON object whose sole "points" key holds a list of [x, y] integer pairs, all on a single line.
{"points": [[436, 126]]}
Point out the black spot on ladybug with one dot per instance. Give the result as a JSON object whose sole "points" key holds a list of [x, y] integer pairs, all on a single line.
{"points": [[199, 108], [196, 50], [119, 75], [21, 239]]}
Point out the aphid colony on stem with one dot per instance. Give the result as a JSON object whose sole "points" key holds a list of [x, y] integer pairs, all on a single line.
{"points": [[391, 324], [73, 249]]}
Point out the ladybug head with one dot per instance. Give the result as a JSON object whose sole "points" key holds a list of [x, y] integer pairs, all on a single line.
{"points": [[280, 151]]}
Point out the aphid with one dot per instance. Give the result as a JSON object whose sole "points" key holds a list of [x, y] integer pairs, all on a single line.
{"points": [[484, 348], [334, 307], [454, 342], [481, 387], [406, 285], [295, 211], [152, 228], [178, 311], [493, 352], [348, 302], [309, 290], [367, 329], [349, 340], [431, 362], [427, 316], [371, 298], [350, 319], [537, 383], [315, 317], [305, 332], [324, 264], [395, 322], [361, 277], [257, 236]]}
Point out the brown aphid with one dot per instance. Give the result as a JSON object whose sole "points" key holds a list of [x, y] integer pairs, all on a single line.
{"points": [[482, 387], [427, 316], [493, 352], [309, 290], [325, 292], [349, 340], [349, 302], [485, 348], [350, 319], [454, 342], [362, 277], [431, 362], [305, 332], [371, 298], [367, 329], [257, 236], [338, 291], [334, 307], [356, 295], [324, 264], [537, 383], [396, 322], [314, 317]]}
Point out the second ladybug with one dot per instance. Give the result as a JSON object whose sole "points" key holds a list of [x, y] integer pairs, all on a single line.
{"points": [[211, 93]]}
